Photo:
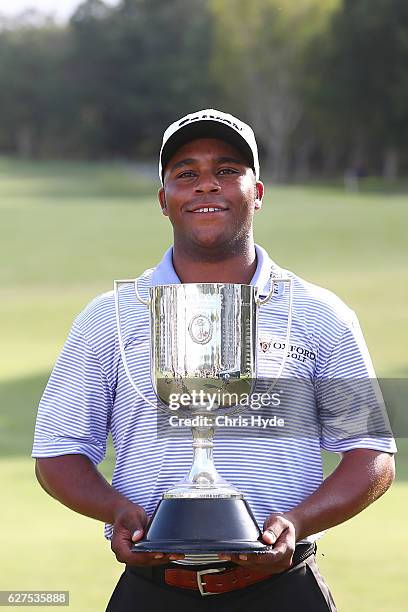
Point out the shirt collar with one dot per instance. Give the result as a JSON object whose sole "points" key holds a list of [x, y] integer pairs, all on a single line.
{"points": [[165, 274]]}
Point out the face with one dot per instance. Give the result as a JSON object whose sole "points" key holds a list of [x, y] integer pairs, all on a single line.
{"points": [[210, 195]]}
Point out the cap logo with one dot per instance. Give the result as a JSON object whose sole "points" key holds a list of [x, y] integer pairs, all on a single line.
{"points": [[215, 117]]}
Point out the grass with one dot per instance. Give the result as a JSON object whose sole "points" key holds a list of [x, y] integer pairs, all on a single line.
{"points": [[68, 229]]}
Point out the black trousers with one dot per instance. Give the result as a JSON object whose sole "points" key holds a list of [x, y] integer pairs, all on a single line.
{"points": [[300, 588]]}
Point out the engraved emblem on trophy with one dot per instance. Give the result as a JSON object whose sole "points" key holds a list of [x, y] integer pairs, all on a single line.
{"points": [[203, 344], [200, 328]]}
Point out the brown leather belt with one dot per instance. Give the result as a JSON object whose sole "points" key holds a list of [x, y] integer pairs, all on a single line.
{"points": [[214, 581]]}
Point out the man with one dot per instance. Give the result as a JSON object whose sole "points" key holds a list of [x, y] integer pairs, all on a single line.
{"points": [[210, 191]]}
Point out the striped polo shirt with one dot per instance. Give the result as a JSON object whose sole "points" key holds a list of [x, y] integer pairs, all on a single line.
{"points": [[89, 396]]}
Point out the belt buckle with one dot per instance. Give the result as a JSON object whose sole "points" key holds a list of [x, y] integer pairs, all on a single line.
{"points": [[201, 583]]}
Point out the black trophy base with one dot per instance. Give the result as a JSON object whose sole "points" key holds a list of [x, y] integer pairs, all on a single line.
{"points": [[207, 525]]}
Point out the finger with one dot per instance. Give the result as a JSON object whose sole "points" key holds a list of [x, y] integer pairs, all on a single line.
{"points": [[235, 558], [121, 544], [122, 540], [282, 548], [146, 559], [253, 560], [242, 556], [176, 556], [156, 558], [122, 551]]}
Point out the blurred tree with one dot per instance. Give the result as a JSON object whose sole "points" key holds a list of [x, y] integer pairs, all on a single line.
{"points": [[87, 73], [32, 103], [137, 67], [363, 87], [320, 80], [258, 60]]}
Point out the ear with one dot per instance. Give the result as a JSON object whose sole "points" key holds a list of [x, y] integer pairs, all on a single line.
{"points": [[162, 200], [259, 188]]}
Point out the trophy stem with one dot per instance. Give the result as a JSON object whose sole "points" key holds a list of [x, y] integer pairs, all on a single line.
{"points": [[203, 480], [203, 472]]}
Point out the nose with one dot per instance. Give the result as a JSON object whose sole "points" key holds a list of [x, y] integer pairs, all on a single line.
{"points": [[207, 183]]}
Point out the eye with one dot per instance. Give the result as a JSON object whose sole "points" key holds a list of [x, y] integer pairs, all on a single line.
{"points": [[223, 171], [186, 174]]}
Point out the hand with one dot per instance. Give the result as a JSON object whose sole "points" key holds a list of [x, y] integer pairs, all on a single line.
{"points": [[129, 526], [280, 532]]}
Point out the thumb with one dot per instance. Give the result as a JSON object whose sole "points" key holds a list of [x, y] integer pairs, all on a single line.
{"points": [[131, 521], [269, 536], [272, 529], [137, 535], [138, 527]]}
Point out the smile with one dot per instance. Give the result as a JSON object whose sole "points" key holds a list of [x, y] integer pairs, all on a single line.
{"points": [[208, 210]]}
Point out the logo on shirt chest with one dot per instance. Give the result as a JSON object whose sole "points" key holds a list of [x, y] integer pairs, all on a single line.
{"points": [[296, 351], [265, 346]]}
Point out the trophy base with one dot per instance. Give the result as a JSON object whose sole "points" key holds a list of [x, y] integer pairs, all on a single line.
{"points": [[202, 526], [176, 547]]}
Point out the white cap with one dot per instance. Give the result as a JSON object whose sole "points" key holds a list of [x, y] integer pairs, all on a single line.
{"points": [[209, 123]]}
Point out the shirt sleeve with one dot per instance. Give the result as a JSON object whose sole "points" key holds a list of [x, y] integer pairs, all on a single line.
{"points": [[351, 407], [74, 411]]}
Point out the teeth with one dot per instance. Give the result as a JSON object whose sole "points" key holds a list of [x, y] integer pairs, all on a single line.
{"points": [[205, 210]]}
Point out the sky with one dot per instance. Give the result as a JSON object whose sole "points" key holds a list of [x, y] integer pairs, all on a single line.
{"points": [[61, 9]]}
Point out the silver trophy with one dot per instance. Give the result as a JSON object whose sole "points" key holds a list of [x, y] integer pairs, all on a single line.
{"points": [[203, 351]]}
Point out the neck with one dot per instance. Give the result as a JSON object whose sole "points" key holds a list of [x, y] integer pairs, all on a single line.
{"points": [[215, 267]]}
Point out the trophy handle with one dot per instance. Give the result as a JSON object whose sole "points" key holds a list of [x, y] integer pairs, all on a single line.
{"points": [[116, 284], [138, 296], [260, 302]]}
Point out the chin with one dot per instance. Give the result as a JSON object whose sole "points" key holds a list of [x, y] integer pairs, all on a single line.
{"points": [[210, 241]]}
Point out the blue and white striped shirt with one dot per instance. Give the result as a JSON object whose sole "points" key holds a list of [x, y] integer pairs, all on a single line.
{"points": [[88, 395]]}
